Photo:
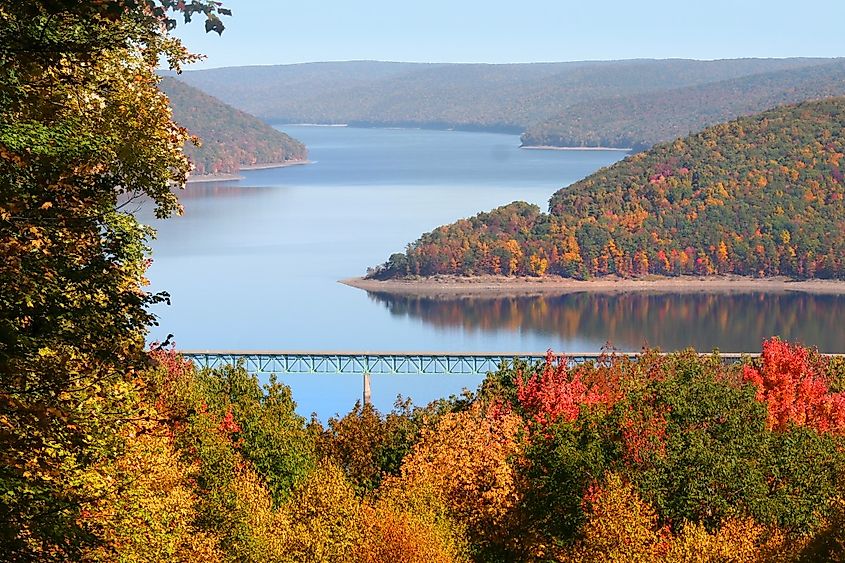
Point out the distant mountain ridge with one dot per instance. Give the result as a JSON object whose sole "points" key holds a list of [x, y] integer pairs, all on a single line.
{"points": [[759, 196], [230, 138], [505, 97], [642, 120]]}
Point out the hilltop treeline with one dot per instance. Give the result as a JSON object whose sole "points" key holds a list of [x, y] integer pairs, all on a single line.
{"points": [[630, 103], [759, 196], [229, 137]]}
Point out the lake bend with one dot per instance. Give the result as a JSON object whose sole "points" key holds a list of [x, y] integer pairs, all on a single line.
{"points": [[254, 264]]}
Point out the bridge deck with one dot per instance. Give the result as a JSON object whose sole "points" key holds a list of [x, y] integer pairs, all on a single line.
{"points": [[425, 363]]}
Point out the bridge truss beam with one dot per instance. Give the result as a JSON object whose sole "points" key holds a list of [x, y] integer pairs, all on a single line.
{"points": [[328, 363]]}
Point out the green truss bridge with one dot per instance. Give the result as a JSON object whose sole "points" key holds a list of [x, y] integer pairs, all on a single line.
{"points": [[396, 363]]}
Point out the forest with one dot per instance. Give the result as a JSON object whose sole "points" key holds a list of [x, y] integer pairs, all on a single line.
{"points": [[759, 196], [228, 138], [113, 449], [664, 458], [642, 120], [564, 104]]}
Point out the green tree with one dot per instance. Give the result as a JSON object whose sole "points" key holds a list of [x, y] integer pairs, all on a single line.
{"points": [[263, 419]]}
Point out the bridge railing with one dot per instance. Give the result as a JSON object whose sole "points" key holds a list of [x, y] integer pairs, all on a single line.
{"points": [[428, 363]]}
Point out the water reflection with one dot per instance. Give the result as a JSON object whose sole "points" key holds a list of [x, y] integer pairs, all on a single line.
{"points": [[628, 321], [221, 189]]}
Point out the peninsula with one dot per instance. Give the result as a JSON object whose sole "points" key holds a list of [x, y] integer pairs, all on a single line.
{"points": [[758, 197]]}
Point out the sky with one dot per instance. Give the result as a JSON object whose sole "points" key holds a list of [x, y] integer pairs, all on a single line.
{"points": [[281, 32]]}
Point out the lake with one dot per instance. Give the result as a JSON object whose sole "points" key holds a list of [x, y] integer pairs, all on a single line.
{"points": [[254, 264]]}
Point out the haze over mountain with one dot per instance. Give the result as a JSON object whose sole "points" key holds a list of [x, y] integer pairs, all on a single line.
{"points": [[230, 138], [519, 97], [641, 120]]}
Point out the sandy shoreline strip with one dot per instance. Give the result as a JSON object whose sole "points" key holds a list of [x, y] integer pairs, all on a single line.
{"points": [[268, 165], [213, 178], [554, 148], [231, 177], [499, 286]]}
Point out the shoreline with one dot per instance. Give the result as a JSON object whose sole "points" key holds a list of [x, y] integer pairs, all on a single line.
{"points": [[311, 124], [556, 148], [232, 177], [207, 178], [268, 165], [500, 286]]}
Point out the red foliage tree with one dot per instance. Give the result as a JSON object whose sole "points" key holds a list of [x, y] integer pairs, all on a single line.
{"points": [[792, 381], [557, 392]]}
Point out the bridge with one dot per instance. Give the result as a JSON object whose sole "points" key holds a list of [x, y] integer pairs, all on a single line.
{"points": [[392, 363]]}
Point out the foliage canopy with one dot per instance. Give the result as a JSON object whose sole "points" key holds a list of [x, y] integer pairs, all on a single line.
{"points": [[85, 132]]}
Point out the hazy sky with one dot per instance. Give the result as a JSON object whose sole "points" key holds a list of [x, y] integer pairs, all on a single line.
{"points": [[279, 32]]}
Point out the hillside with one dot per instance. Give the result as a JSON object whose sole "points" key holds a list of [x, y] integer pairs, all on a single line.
{"points": [[230, 138], [643, 120], [759, 196], [503, 97]]}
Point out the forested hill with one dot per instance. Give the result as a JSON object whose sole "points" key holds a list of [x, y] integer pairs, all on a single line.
{"points": [[505, 97], [759, 196], [230, 137], [643, 120]]}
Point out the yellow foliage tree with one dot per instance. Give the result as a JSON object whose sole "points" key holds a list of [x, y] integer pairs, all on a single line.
{"points": [[622, 527], [325, 518], [722, 256], [149, 515], [737, 540], [538, 265], [266, 533], [512, 246], [619, 527], [466, 460], [404, 526]]}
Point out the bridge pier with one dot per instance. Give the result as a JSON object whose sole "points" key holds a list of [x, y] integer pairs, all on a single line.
{"points": [[367, 394]]}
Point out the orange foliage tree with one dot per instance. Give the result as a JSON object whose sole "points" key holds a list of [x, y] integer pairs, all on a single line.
{"points": [[466, 459], [410, 526]]}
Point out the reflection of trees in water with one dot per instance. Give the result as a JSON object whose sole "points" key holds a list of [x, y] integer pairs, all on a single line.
{"points": [[730, 322], [204, 190]]}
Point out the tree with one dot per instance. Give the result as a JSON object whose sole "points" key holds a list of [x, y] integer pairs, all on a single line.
{"points": [[465, 458], [85, 132], [794, 384]]}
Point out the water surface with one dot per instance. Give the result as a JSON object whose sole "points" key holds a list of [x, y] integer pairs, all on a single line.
{"points": [[730, 322], [254, 264]]}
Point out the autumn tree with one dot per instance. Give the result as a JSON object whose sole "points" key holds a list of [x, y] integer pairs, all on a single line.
{"points": [[263, 420], [369, 445], [794, 383], [409, 525], [466, 459], [689, 433], [84, 131], [619, 525]]}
